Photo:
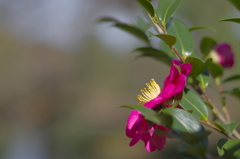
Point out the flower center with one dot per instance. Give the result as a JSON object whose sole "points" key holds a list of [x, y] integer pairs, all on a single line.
{"points": [[149, 93], [215, 56]]}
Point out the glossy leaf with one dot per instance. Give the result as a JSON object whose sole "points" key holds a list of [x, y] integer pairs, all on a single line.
{"points": [[166, 9], [203, 79], [192, 101], [148, 6], [167, 38], [127, 28], [230, 19], [185, 41], [152, 115], [202, 27], [156, 54], [207, 44], [232, 78], [215, 70], [198, 65], [229, 149], [236, 3], [182, 120], [227, 127]]}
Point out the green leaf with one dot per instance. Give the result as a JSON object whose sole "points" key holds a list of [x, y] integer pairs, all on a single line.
{"points": [[151, 115], [185, 41], [156, 54], [236, 3], [203, 79], [215, 70], [127, 28], [227, 127], [195, 54], [232, 78], [182, 120], [166, 9], [167, 38], [164, 47], [229, 149], [192, 101], [148, 6], [132, 30], [202, 27], [230, 19], [235, 92], [108, 19], [207, 44], [198, 65], [142, 24], [194, 138]]}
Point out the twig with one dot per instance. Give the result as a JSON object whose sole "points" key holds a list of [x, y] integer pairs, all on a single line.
{"points": [[217, 129]]}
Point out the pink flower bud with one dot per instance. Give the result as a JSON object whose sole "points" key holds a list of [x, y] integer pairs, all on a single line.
{"points": [[223, 55]]}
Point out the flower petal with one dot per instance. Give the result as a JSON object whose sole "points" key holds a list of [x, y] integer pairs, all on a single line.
{"points": [[133, 123]]}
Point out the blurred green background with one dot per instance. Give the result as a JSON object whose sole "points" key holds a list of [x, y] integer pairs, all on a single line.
{"points": [[63, 76]]}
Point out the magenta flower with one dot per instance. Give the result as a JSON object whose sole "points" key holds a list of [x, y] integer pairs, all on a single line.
{"points": [[223, 55], [137, 127]]}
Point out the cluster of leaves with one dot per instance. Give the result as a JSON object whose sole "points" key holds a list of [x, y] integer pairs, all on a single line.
{"points": [[175, 36]]}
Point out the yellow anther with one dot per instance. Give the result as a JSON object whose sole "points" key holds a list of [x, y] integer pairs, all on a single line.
{"points": [[149, 93]]}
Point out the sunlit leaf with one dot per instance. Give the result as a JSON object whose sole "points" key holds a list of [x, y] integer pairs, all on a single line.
{"points": [[185, 41], [166, 9], [192, 101]]}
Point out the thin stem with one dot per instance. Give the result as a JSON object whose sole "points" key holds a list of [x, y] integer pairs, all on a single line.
{"points": [[225, 110], [220, 116], [217, 129], [178, 55], [160, 27]]}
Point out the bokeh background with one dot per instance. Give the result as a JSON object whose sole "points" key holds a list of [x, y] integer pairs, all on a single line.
{"points": [[63, 76]]}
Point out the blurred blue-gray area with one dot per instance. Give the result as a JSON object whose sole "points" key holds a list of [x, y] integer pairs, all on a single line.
{"points": [[63, 76]]}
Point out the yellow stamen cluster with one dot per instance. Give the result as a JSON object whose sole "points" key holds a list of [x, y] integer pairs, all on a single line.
{"points": [[149, 93]]}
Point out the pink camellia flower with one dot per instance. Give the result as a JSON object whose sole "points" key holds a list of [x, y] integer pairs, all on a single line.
{"points": [[138, 128], [223, 55]]}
